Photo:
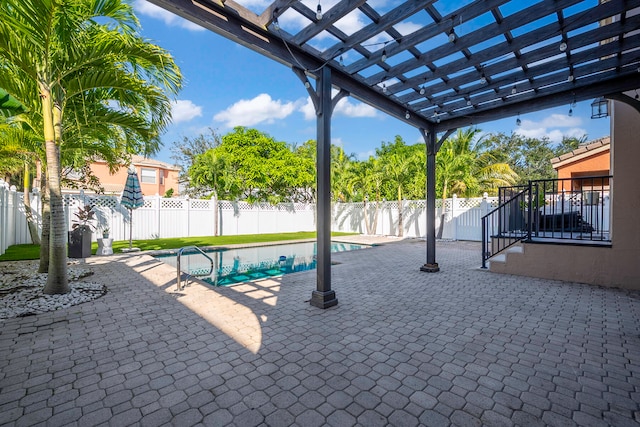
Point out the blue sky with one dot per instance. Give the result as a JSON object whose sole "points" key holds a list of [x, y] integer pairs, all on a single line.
{"points": [[229, 85]]}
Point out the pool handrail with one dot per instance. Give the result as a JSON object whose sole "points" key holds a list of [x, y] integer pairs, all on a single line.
{"points": [[179, 271]]}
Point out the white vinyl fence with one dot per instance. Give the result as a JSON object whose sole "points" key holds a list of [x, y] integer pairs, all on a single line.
{"points": [[181, 217]]}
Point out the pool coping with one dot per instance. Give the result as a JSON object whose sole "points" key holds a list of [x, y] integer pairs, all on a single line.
{"points": [[165, 252]]}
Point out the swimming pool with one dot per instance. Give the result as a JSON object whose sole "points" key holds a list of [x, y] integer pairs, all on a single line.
{"points": [[231, 266]]}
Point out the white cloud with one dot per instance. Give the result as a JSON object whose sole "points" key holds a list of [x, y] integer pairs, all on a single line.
{"points": [[406, 28], [261, 109], [561, 121], [343, 108], [363, 156], [184, 110], [358, 109], [143, 7], [554, 127], [350, 23], [308, 110]]}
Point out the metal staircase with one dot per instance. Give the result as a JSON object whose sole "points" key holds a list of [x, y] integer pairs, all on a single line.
{"points": [[571, 210]]}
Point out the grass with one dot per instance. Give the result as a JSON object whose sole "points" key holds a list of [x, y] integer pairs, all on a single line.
{"points": [[26, 252]]}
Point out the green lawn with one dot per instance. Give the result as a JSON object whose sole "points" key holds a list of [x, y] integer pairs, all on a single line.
{"points": [[24, 252]]}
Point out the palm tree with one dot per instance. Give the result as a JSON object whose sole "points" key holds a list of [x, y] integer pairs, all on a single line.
{"points": [[67, 57], [401, 164], [468, 168], [19, 147]]}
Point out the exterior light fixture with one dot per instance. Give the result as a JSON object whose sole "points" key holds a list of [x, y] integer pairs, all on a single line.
{"points": [[384, 88], [514, 90], [275, 24], [341, 61], [469, 102], [599, 108], [307, 84], [570, 78], [570, 112], [384, 55], [407, 115], [422, 90], [518, 121], [483, 79], [563, 46], [452, 35], [319, 12]]}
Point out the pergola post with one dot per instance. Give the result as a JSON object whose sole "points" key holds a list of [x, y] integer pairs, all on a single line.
{"points": [[432, 147], [431, 266], [323, 296]]}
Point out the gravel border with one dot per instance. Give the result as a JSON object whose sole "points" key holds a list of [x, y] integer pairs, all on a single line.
{"points": [[21, 289]]}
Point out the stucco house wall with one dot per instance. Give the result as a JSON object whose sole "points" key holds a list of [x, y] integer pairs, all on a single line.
{"points": [[617, 265], [165, 176], [592, 159]]}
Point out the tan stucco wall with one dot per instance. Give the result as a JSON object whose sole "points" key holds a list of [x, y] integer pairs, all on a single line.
{"points": [[615, 266]]}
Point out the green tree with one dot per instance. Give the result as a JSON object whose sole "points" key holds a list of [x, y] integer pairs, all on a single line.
{"points": [[250, 165], [83, 56], [466, 166], [530, 158], [401, 166], [19, 147], [365, 181], [184, 153]]}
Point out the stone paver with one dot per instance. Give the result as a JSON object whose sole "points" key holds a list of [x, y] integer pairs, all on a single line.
{"points": [[460, 347]]}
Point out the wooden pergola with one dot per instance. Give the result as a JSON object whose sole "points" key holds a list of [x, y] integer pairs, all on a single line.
{"points": [[436, 65]]}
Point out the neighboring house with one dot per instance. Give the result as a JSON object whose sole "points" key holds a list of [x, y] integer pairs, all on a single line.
{"points": [[609, 262], [591, 159], [156, 177]]}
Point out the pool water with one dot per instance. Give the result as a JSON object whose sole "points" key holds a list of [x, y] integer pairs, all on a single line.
{"points": [[232, 266]]}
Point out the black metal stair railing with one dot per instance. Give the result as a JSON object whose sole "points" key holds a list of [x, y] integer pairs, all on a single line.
{"points": [[569, 210], [505, 225]]}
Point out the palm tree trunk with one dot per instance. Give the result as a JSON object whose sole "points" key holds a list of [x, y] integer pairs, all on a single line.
{"points": [[31, 223], [216, 214], [367, 228], [442, 210], [57, 281], [375, 216], [46, 222]]}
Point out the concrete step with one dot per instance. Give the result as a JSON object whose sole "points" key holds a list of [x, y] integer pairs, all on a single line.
{"points": [[502, 256]]}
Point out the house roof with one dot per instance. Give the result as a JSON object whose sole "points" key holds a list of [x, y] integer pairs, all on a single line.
{"points": [[583, 151], [144, 161]]}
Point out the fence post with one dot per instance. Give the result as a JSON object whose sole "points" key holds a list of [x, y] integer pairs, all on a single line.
{"points": [[454, 219], [188, 210], [484, 205], [3, 222], [158, 203]]}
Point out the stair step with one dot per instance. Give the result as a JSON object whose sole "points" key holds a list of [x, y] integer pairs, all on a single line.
{"points": [[515, 249], [498, 258]]}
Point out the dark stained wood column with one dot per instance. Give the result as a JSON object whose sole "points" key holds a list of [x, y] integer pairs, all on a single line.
{"points": [[324, 296]]}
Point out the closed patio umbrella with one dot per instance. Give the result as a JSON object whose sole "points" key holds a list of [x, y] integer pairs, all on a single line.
{"points": [[131, 198]]}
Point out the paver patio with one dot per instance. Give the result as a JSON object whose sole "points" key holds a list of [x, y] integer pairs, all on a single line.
{"points": [[462, 347]]}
